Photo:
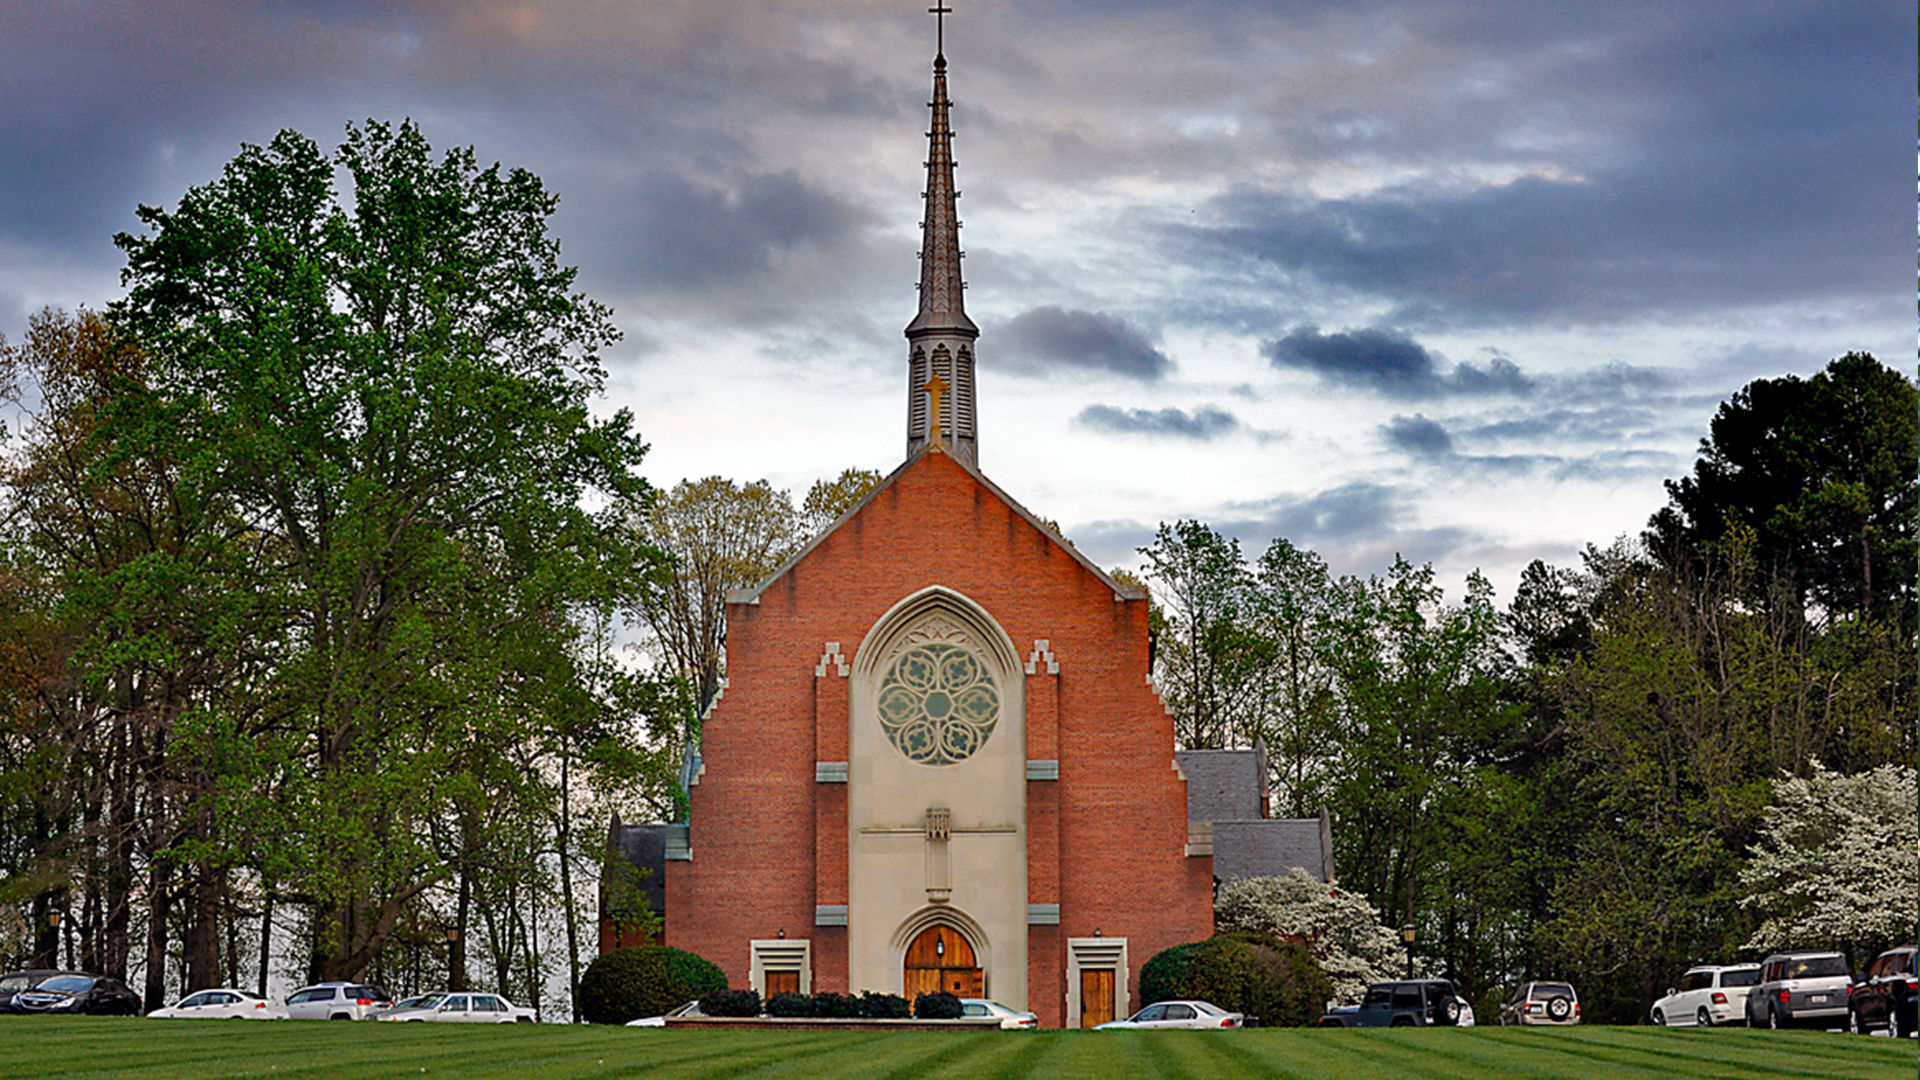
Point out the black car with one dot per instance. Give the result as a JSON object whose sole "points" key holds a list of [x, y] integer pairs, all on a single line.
{"points": [[77, 992], [1884, 994], [15, 981], [1408, 1003]]}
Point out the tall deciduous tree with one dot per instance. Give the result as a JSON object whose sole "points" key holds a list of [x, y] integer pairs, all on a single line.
{"points": [[391, 386]]}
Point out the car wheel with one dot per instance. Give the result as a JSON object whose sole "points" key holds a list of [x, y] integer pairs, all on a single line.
{"points": [[1854, 1026], [1659, 1018], [1453, 1010], [1773, 1018], [1559, 1008], [1401, 1021], [1703, 1018]]}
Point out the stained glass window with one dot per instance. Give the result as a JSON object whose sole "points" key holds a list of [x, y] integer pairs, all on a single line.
{"points": [[938, 704]]}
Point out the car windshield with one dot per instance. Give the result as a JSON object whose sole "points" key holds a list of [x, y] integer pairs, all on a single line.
{"points": [[67, 984], [1740, 977], [1816, 967], [1552, 990], [1378, 995], [428, 1002]]}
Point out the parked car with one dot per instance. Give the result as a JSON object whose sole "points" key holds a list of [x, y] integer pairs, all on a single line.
{"points": [[1884, 994], [15, 981], [691, 1008], [221, 1003], [1801, 989], [463, 1008], [1176, 1014], [1707, 995], [1550, 1003], [1010, 1019], [1408, 1003], [337, 1001], [77, 992]]}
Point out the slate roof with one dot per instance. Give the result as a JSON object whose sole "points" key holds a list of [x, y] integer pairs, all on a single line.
{"points": [[1271, 848], [645, 847], [1228, 789], [1224, 785]]}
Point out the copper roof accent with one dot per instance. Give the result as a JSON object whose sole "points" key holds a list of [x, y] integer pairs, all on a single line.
{"points": [[942, 300]]}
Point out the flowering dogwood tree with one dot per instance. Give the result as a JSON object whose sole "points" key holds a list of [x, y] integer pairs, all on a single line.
{"points": [[1341, 929], [1837, 861]]}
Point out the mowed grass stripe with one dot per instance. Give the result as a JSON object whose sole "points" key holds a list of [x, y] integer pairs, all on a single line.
{"points": [[86, 1047], [1745, 1053]]}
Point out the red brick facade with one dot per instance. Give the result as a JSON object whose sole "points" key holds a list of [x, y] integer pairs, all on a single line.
{"points": [[1106, 841]]}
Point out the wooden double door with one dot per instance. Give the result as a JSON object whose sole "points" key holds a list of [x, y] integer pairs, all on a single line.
{"points": [[940, 958]]}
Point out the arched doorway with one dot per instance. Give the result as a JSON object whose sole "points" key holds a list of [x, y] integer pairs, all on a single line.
{"points": [[941, 958]]}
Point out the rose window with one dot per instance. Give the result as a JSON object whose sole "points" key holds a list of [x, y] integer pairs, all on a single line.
{"points": [[938, 704]]}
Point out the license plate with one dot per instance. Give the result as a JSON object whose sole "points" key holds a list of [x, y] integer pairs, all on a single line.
{"points": [[1816, 999]]}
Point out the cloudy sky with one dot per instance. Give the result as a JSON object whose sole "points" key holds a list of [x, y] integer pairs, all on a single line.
{"points": [[1458, 279]]}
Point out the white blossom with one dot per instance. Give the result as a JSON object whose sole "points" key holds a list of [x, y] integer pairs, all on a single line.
{"points": [[1838, 861], [1340, 928]]}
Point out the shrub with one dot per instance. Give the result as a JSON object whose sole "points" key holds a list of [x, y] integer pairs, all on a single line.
{"points": [[732, 1003], [834, 1006], [790, 1005], [644, 980], [1255, 974], [884, 1006], [1165, 975], [938, 1005]]}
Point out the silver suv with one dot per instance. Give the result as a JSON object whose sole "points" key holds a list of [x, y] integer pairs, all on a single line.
{"points": [[1801, 989], [336, 1001]]}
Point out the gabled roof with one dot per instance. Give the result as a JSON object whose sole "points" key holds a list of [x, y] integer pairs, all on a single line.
{"points": [[752, 595]]}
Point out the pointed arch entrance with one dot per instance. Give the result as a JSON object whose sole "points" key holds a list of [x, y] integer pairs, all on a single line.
{"points": [[941, 958]]}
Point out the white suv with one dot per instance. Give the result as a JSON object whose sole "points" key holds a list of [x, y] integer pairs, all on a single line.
{"points": [[1707, 995], [336, 1001]]}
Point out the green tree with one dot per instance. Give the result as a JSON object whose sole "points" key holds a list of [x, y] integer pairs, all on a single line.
{"points": [[718, 536], [1821, 472], [1210, 658], [392, 387], [827, 499]]}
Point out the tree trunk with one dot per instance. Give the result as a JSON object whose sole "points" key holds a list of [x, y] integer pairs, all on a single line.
{"points": [[201, 948], [565, 839], [159, 909]]}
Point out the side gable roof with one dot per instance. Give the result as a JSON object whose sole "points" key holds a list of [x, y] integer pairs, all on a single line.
{"points": [[752, 596]]}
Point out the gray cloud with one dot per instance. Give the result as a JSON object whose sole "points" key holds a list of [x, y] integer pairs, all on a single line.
{"points": [[1048, 339], [1418, 435], [1390, 363], [1205, 422], [694, 236]]}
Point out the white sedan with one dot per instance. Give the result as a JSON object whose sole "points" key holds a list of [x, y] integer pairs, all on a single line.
{"points": [[463, 1009], [691, 1008], [221, 1003], [1176, 1014], [1011, 1019]]}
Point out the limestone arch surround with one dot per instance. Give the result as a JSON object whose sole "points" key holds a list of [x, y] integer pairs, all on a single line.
{"points": [[894, 858]]}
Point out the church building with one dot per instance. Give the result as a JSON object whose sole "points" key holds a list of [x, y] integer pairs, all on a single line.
{"points": [[938, 760]]}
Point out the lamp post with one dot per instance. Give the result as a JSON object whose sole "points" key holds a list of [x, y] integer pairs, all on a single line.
{"points": [[1406, 935], [456, 961]]}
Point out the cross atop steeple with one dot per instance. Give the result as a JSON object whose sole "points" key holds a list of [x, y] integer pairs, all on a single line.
{"points": [[940, 11], [941, 336]]}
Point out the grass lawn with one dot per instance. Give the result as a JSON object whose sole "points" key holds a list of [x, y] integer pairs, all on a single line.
{"points": [[51, 1048]]}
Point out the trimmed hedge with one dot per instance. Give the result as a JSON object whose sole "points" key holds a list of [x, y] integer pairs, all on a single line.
{"points": [[644, 980], [1256, 974], [732, 1003], [827, 1005], [938, 1005]]}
